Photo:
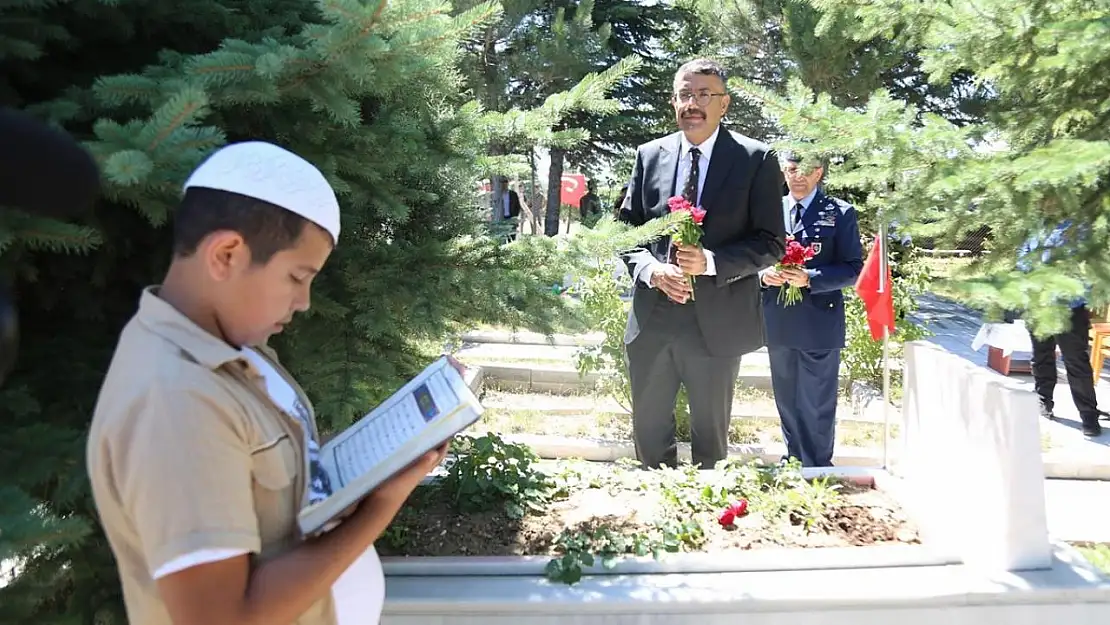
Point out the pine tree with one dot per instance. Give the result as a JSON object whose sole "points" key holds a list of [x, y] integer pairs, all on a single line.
{"points": [[1038, 159], [663, 36], [367, 91], [563, 46], [768, 42]]}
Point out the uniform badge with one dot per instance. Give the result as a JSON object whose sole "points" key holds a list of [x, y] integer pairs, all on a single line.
{"points": [[827, 217], [816, 247]]}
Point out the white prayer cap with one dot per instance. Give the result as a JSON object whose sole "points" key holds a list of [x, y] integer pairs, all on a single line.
{"points": [[272, 174]]}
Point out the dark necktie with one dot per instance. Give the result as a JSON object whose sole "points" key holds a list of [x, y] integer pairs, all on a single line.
{"points": [[690, 188], [796, 217]]}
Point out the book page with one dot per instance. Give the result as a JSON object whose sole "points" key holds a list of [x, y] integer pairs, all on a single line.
{"points": [[371, 441]]}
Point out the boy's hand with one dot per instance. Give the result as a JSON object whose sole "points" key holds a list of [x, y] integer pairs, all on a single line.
{"points": [[394, 491]]}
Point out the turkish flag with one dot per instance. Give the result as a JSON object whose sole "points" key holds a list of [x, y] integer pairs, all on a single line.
{"points": [[573, 188], [875, 292]]}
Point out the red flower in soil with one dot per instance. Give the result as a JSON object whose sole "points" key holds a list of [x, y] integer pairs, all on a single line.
{"points": [[730, 514]]}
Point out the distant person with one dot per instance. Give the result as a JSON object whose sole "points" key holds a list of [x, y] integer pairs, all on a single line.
{"points": [[619, 203], [589, 207], [1074, 344], [510, 206]]}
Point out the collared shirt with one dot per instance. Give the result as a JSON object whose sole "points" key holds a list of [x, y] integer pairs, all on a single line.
{"points": [[788, 203], [706, 148], [188, 453]]}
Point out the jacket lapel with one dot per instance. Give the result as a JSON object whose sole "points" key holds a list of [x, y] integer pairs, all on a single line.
{"points": [[667, 167], [721, 163]]}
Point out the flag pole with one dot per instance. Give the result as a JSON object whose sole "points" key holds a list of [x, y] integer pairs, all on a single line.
{"points": [[883, 269]]}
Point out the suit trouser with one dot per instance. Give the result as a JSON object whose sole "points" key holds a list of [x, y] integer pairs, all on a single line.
{"points": [[670, 351], [1074, 345], [805, 383]]}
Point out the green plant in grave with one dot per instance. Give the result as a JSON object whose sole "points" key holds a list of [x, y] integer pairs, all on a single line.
{"points": [[785, 492], [489, 472], [580, 549], [862, 355], [603, 310], [776, 492]]}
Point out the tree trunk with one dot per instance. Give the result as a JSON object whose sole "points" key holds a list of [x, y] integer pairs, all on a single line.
{"points": [[534, 198], [554, 192], [492, 103], [496, 201]]}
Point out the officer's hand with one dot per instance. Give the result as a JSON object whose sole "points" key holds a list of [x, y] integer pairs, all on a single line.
{"points": [[771, 278], [796, 276], [670, 279]]}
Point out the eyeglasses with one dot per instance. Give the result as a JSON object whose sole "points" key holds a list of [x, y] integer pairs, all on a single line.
{"points": [[701, 99]]}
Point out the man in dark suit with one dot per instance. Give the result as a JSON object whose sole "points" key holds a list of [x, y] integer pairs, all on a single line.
{"points": [[673, 338], [804, 340], [509, 203]]}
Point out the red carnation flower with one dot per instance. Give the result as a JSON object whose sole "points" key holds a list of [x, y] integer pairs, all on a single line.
{"points": [[796, 256], [688, 230], [728, 517]]}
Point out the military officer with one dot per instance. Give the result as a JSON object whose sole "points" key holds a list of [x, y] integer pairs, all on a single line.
{"points": [[804, 340]]}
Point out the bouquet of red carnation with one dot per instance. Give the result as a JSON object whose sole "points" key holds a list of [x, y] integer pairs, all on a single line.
{"points": [[688, 230], [796, 256]]}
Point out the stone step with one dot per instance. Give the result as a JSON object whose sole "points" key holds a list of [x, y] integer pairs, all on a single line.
{"points": [[748, 404], [1056, 465], [563, 378], [602, 450], [564, 356], [524, 337]]}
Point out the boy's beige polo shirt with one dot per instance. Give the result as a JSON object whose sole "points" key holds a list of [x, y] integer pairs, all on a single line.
{"points": [[186, 453]]}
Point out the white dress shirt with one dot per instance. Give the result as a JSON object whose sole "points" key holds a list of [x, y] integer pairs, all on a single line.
{"points": [[644, 272]]}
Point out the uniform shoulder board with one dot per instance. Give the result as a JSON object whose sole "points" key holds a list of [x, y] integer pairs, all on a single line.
{"points": [[841, 204]]}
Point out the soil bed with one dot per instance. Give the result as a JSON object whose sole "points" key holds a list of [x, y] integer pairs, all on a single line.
{"points": [[611, 509]]}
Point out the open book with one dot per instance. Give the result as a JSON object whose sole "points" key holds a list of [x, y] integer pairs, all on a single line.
{"points": [[428, 411]]}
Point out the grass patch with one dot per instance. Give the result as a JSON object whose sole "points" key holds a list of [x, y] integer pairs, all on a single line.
{"points": [[1097, 554]]}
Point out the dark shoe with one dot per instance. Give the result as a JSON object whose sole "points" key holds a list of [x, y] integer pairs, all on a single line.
{"points": [[1091, 427], [1105, 416], [1046, 411]]}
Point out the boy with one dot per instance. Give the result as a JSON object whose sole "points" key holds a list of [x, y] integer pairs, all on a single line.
{"points": [[202, 446]]}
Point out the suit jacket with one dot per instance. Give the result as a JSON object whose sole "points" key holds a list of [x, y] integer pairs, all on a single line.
{"points": [[514, 204], [817, 321], [742, 197]]}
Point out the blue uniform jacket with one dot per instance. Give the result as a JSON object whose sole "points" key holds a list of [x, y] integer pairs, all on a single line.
{"points": [[1047, 245], [817, 321]]}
